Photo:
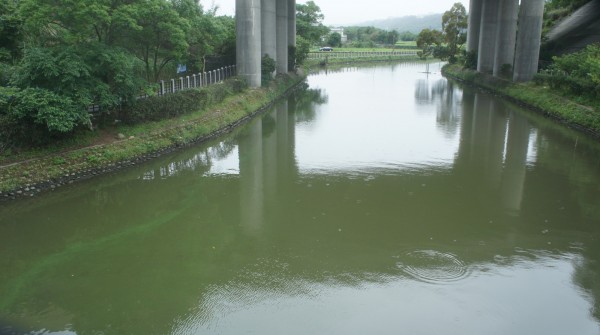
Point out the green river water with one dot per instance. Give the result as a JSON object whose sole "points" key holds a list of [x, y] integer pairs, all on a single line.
{"points": [[375, 200]]}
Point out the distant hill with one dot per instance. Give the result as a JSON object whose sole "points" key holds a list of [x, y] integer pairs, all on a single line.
{"points": [[414, 24]]}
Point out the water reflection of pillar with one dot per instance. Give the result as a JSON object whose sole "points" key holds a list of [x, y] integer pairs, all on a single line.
{"points": [[488, 137], [513, 178], [251, 177], [270, 155], [466, 129], [285, 141]]}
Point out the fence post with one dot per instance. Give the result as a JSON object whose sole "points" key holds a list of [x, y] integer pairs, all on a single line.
{"points": [[172, 85], [188, 81], [215, 76], [162, 87]]}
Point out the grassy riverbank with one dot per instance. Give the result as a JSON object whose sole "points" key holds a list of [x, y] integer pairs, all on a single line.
{"points": [[541, 98], [35, 170]]}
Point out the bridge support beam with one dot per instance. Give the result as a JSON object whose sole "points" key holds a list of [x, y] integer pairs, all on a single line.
{"points": [[248, 41], [269, 28], [282, 36], [506, 37], [475, 7], [528, 40], [487, 36], [292, 32]]}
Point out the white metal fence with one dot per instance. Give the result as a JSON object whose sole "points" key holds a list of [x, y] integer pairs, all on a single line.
{"points": [[184, 83], [360, 54], [196, 80]]}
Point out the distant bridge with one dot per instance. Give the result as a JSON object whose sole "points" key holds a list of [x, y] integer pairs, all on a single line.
{"points": [[268, 27]]}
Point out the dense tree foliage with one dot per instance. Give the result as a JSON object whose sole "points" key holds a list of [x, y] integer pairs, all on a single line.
{"points": [[407, 36], [309, 22], [577, 73], [370, 36], [446, 44], [427, 41], [58, 57], [334, 40], [568, 4], [454, 26]]}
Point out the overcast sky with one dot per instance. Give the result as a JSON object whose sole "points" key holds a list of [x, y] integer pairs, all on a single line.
{"points": [[346, 12]]}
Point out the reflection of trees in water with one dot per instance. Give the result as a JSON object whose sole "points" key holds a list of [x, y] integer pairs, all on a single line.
{"points": [[303, 103], [199, 161], [587, 276], [446, 96]]}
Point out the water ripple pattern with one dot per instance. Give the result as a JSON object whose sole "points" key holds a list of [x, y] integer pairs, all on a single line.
{"points": [[433, 267]]}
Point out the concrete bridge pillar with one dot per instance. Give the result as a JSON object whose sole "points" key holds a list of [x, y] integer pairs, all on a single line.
{"points": [[292, 22], [487, 36], [269, 27], [506, 36], [291, 30], [475, 7], [528, 40], [248, 41], [282, 36]]}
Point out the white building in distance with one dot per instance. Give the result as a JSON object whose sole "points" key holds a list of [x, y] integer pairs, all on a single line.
{"points": [[340, 31]]}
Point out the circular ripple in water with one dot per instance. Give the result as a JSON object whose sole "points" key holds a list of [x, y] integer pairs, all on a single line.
{"points": [[433, 266]]}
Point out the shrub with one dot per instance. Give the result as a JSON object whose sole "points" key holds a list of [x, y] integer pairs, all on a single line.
{"points": [[577, 73], [471, 60], [268, 66]]}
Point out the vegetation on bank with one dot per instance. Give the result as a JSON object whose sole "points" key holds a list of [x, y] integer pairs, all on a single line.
{"points": [[216, 115], [539, 97], [446, 44], [59, 57]]}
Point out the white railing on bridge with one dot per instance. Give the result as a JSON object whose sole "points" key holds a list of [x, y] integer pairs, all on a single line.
{"points": [[360, 54]]}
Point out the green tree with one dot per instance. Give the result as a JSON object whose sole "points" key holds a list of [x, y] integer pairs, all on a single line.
{"points": [[334, 40], [454, 25], [392, 37], [10, 31], [427, 40], [408, 36], [160, 38], [309, 22], [302, 49]]}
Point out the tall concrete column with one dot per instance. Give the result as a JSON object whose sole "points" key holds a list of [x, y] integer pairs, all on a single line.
{"points": [[269, 28], [292, 22], [528, 39], [282, 36], [292, 29], [487, 36], [506, 35], [475, 7], [248, 41]]}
